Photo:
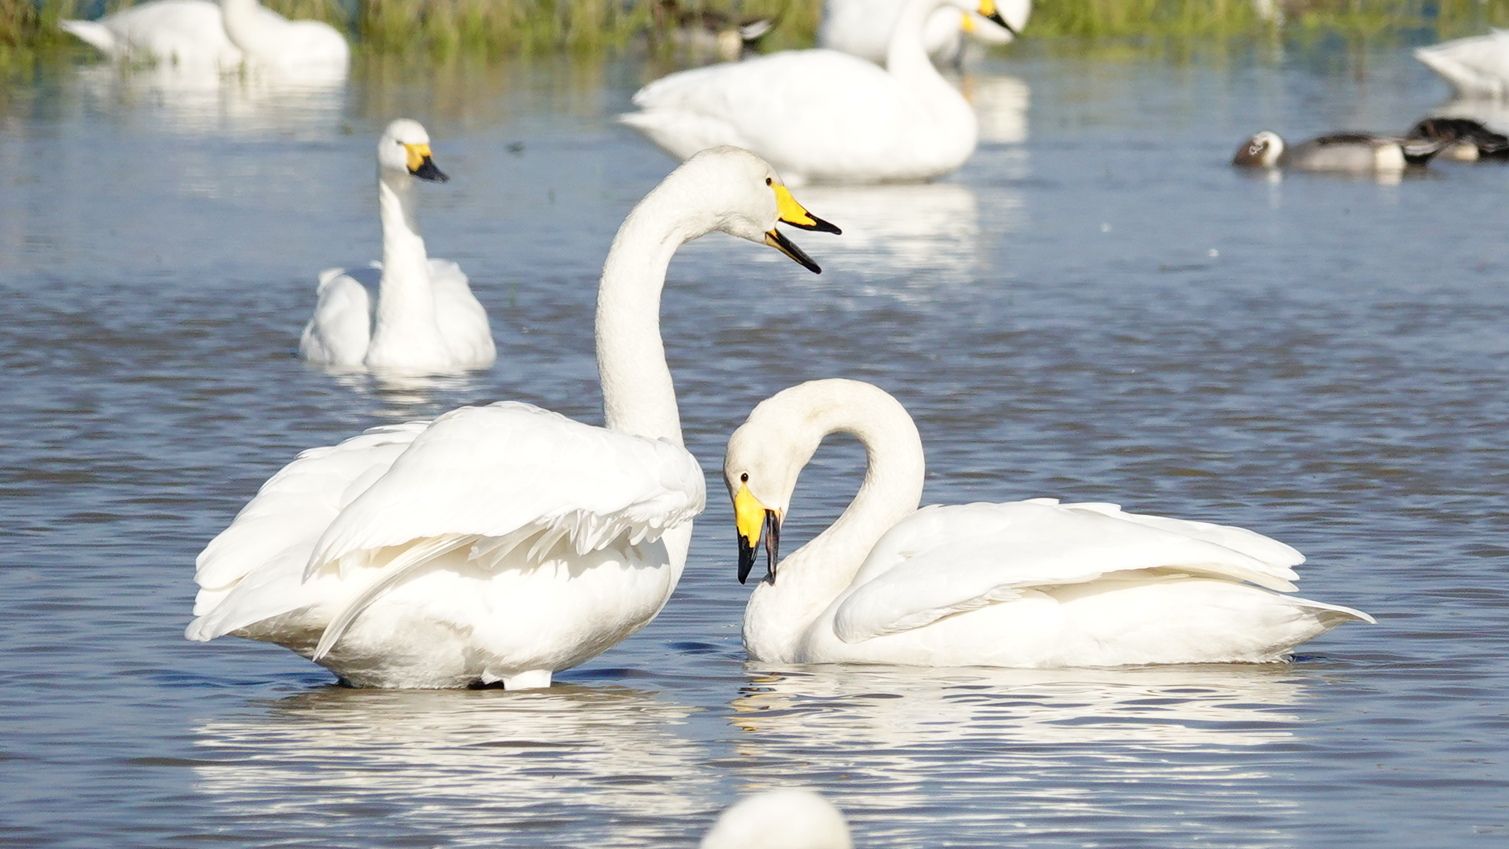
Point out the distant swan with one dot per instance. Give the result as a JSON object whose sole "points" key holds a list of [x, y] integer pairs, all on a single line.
{"points": [[200, 33], [1474, 66], [499, 543], [424, 318], [1021, 584], [822, 115], [780, 819], [863, 28]]}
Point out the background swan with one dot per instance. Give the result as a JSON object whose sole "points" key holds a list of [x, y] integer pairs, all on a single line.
{"points": [[424, 318], [863, 28], [498, 543], [1474, 66], [780, 819], [179, 32], [1021, 584], [201, 33], [821, 114]]}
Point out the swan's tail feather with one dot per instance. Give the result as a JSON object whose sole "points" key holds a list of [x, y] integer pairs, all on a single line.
{"points": [[399, 569], [1331, 615], [92, 33]]}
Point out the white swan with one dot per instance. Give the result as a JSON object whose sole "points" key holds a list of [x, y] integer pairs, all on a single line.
{"points": [[425, 319], [1476, 66], [498, 543], [863, 28], [822, 115], [1021, 584], [202, 33], [270, 41], [780, 819]]}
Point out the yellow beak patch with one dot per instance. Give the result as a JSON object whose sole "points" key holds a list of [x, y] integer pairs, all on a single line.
{"points": [[987, 7], [749, 516], [789, 210], [416, 155]]}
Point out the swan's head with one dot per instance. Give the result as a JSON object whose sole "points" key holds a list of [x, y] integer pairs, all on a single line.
{"points": [[405, 149], [780, 819], [740, 194], [1013, 16], [1260, 151]]}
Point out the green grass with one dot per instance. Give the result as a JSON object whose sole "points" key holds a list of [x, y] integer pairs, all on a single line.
{"points": [[495, 28]]}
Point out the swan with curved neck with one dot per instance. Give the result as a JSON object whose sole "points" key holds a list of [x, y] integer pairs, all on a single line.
{"points": [[425, 319], [1022, 584], [864, 28], [823, 115], [499, 543]]}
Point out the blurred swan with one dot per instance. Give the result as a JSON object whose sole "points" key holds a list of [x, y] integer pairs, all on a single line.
{"points": [[177, 32], [1355, 153], [780, 819], [505, 542], [822, 115], [863, 28], [424, 318], [199, 33], [1022, 584], [1474, 66]]}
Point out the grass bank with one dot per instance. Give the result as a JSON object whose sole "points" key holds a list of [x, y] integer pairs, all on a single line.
{"points": [[497, 27]]}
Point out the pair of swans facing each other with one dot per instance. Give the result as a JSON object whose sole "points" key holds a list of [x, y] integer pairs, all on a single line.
{"points": [[408, 314], [823, 115], [1023, 584], [223, 35], [499, 543], [504, 543]]}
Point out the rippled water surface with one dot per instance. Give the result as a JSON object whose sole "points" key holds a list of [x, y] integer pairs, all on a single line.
{"points": [[1095, 308]]}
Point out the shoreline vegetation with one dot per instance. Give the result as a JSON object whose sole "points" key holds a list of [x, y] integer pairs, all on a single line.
{"points": [[496, 28]]}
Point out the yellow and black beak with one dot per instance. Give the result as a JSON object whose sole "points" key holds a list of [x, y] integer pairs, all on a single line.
{"points": [[421, 164], [751, 518], [989, 12], [793, 213]]}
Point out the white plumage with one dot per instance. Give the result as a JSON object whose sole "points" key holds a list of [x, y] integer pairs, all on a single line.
{"points": [[821, 115], [499, 543], [780, 819], [408, 314], [1023, 584], [863, 28], [201, 33], [1476, 66]]}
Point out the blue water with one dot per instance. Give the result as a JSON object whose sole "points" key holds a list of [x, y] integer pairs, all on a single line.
{"points": [[1095, 308]]}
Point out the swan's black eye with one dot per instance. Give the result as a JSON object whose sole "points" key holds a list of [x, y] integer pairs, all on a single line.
{"points": [[769, 181], [744, 478]]}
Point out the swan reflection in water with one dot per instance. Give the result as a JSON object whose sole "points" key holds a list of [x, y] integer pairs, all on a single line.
{"points": [[192, 101], [403, 397], [607, 765], [1033, 751]]}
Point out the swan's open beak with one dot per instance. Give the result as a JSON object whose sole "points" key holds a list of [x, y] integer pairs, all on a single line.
{"points": [[421, 164], [989, 12], [750, 518], [793, 213]]}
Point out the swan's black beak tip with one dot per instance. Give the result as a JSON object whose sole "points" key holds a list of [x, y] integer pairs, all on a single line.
{"points": [[746, 559]]}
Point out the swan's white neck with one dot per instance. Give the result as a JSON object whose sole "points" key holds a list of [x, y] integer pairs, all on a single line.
{"points": [[246, 25], [404, 296], [809, 580], [638, 396], [906, 56]]}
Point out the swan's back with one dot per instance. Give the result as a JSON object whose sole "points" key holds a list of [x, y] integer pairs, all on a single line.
{"points": [[1478, 65], [187, 32], [340, 330]]}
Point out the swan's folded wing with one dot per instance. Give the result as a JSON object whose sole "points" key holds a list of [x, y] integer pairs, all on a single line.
{"points": [[512, 472], [502, 479], [276, 531], [946, 560]]}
